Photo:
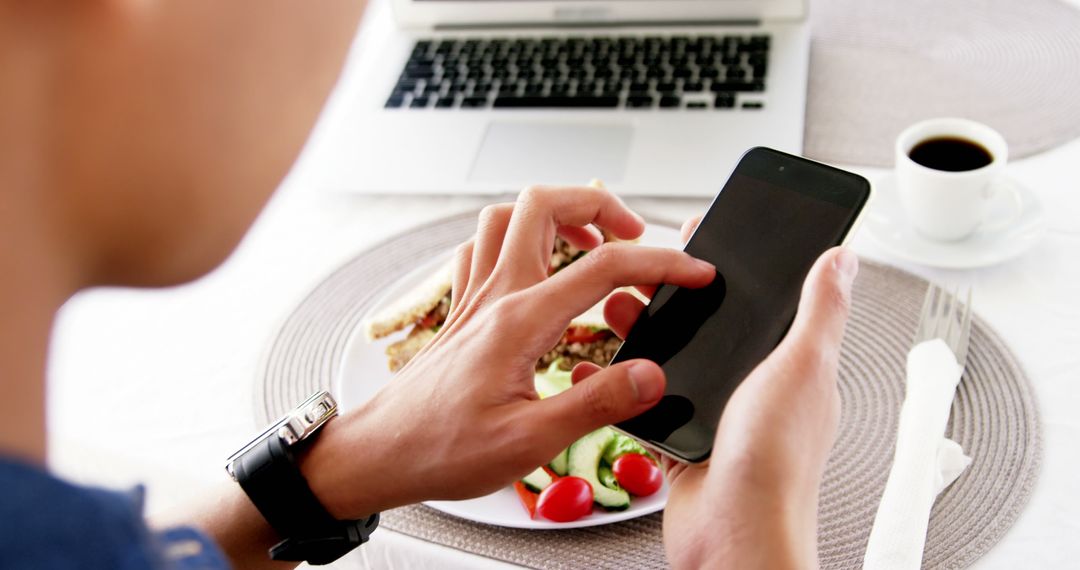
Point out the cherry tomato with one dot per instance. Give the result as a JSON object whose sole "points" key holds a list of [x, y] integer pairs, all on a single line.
{"points": [[638, 474], [567, 499], [584, 335]]}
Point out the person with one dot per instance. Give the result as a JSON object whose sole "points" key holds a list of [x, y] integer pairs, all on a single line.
{"points": [[139, 140]]}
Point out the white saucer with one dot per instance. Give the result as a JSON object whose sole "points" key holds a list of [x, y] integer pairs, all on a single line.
{"points": [[887, 225]]}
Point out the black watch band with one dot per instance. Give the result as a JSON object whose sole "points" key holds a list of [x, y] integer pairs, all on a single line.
{"points": [[267, 471]]}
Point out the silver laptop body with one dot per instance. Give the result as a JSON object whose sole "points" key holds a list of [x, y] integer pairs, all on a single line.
{"points": [[654, 98]]}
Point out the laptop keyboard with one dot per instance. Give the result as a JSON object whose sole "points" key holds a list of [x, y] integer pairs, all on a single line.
{"points": [[691, 72]]}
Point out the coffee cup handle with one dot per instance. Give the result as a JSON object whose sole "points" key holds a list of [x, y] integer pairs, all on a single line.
{"points": [[1016, 210]]}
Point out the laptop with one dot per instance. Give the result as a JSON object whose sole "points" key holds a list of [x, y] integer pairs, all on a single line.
{"points": [[654, 98]]}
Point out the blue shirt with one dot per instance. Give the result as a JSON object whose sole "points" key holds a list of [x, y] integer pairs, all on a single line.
{"points": [[47, 523]]}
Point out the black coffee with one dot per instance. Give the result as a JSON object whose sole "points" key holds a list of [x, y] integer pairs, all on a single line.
{"points": [[950, 154]]}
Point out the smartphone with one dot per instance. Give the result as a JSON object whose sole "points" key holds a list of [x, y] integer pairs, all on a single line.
{"points": [[774, 217]]}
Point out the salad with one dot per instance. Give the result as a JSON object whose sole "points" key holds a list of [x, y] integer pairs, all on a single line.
{"points": [[604, 468]]}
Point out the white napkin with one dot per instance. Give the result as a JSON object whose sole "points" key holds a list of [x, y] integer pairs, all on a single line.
{"points": [[925, 461]]}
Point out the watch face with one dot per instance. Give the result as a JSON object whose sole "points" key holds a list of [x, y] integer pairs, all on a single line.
{"points": [[297, 425], [231, 461]]}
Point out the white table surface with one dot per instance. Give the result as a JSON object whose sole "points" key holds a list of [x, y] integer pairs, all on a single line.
{"points": [[157, 386]]}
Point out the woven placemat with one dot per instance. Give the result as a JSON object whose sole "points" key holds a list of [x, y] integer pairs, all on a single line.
{"points": [[993, 417], [877, 66]]}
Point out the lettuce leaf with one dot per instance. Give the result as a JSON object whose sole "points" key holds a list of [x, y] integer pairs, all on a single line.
{"points": [[552, 381]]}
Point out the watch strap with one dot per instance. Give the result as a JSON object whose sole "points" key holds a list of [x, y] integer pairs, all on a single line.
{"points": [[328, 548], [269, 475]]}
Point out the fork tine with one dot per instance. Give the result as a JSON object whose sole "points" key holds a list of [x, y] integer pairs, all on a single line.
{"points": [[922, 331], [965, 332], [949, 317]]}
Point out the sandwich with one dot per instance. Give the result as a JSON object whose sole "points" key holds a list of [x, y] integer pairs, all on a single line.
{"points": [[424, 309]]}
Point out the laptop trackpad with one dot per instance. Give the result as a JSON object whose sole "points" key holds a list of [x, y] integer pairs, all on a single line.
{"points": [[533, 153]]}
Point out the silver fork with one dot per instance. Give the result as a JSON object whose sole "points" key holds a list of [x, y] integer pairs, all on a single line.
{"points": [[898, 536], [942, 318]]}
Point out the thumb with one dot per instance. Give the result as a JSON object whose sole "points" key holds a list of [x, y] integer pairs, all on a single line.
{"points": [[608, 396], [824, 304]]}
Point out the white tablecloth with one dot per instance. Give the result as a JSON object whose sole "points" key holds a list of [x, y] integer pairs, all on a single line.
{"points": [[157, 386]]}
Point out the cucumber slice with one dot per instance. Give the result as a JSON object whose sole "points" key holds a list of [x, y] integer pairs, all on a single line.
{"points": [[537, 480], [584, 462], [621, 445], [558, 465], [607, 477]]}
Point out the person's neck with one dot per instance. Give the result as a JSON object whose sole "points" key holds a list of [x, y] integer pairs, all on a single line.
{"points": [[34, 283], [30, 293]]}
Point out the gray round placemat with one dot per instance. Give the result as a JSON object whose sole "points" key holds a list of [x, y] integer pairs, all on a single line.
{"points": [[877, 66], [994, 418]]}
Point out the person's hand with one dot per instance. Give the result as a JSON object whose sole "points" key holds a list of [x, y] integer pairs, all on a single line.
{"points": [[754, 504], [462, 419]]}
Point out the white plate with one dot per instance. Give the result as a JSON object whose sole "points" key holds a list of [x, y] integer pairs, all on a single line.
{"points": [[887, 225], [363, 372]]}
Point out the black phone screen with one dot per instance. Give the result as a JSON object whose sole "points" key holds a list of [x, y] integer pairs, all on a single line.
{"points": [[773, 218]]}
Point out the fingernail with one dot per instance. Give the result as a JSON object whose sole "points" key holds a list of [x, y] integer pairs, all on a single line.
{"points": [[646, 383], [847, 263], [705, 265]]}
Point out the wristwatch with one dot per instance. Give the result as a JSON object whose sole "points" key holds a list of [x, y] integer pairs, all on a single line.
{"points": [[267, 471]]}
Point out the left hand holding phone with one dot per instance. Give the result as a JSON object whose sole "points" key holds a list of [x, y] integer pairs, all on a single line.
{"points": [[755, 503], [462, 419]]}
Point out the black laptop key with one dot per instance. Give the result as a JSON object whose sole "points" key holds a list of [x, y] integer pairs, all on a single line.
{"points": [[669, 101], [444, 102], [475, 102], [724, 100], [738, 86], [419, 71], [736, 73], [639, 101], [395, 101], [420, 59], [655, 72], [753, 105], [665, 86], [557, 101], [731, 59], [697, 105], [419, 102]]}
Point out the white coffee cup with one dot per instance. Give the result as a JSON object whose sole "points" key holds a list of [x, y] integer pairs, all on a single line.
{"points": [[948, 205]]}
